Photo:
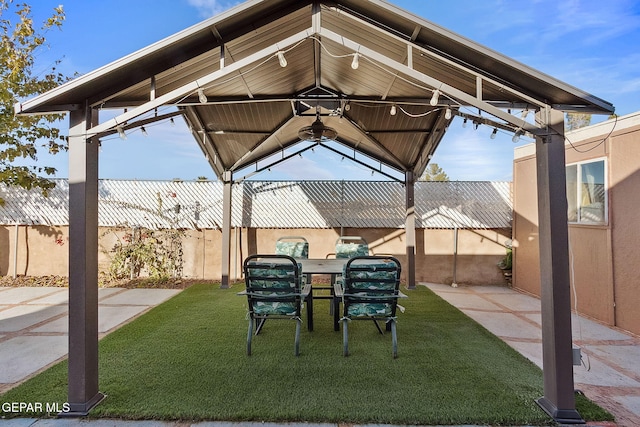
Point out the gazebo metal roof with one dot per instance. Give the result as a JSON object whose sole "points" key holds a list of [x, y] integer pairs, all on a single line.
{"points": [[254, 107]]}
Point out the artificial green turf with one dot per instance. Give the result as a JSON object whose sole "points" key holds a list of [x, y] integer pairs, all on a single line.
{"points": [[186, 359]]}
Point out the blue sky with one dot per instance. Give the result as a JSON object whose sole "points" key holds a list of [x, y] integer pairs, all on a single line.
{"points": [[590, 44]]}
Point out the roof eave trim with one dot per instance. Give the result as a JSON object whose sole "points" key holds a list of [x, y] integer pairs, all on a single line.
{"points": [[593, 104], [34, 105]]}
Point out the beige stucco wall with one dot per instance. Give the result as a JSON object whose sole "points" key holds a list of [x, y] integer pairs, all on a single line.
{"points": [[603, 258], [624, 214], [44, 250]]}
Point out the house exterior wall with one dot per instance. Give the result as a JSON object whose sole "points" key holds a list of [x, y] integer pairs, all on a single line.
{"points": [[604, 258], [43, 250]]}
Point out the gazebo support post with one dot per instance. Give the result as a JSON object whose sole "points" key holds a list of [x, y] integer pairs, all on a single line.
{"points": [[410, 228], [557, 358], [83, 392], [226, 229]]}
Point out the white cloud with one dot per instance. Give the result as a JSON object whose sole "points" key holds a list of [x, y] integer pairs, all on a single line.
{"points": [[209, 8]]}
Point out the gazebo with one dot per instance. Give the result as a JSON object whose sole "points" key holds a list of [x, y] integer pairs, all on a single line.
{"points": [[269, 79]]}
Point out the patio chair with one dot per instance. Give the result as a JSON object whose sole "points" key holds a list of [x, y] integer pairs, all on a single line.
{"points": [[294, 246], [274, 291], [370, 291], [350, 246]]}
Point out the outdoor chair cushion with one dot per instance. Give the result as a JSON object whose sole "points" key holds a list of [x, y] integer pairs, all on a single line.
{"points": [[350, 250], [293, 249]]}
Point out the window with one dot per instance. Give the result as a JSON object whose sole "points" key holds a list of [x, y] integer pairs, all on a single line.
{"points": [[587, 192]]}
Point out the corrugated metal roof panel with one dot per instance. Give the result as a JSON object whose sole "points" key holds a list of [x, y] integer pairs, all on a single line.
{"points": [[463, 204], [272, 204]]}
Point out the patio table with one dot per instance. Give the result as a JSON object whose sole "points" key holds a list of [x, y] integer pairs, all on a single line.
{"points": [[334, 267]]}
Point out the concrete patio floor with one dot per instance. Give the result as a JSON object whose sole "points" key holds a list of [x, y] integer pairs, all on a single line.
{"points": [[34, 324], [33, 335], [610, 370]]}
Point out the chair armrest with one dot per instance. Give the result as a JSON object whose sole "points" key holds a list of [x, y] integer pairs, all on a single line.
{"points": [[401, 295], [374, 298], [243, 293], [306, 290], [337, 290]]}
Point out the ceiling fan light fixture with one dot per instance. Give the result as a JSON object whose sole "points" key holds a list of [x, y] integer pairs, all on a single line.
{"points": [[317, 132]]}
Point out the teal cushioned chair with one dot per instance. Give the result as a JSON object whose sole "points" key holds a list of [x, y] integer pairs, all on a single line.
{"points": [[273, 286], [351, 246], [371, 288], [294, 246]]}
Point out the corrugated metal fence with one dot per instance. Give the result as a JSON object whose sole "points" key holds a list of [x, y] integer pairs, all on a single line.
{"points": [[272, 204]]}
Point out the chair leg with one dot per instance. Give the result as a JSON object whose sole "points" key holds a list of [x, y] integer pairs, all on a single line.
{"points": [[249, 337], [259, 325], [345, 338], [297, 341], [394, 339], [378, 326]]}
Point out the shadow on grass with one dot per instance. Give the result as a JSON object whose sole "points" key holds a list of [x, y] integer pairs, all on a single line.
{"points": [[186, 360]]}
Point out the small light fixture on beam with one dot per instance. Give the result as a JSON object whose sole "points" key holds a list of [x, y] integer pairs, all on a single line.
{"points": [[356, 61], [282, 59], [494, 133], [464, 123], [121, 133], [143, 130], [201, 96], [172, 122], [393, 110], [448, 114], [516, 136], [435, 98], [525, 113]]}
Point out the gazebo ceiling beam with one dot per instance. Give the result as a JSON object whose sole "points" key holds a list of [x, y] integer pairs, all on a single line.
{"points": [[449, 91], [366, 135], [430, 143], [240, 164], [192, 87], [365, 164], [410, 44], [206, 145]]}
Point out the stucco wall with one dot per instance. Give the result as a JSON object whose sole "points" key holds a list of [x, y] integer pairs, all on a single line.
{"points": [[603, 258], [624, 214], [44, 250]]}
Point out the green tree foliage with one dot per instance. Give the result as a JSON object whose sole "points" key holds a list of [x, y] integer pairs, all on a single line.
{"points": [[21, 137], [434, 173], [577, 121]]}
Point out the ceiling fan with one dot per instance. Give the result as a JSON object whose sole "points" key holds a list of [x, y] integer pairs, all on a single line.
{"points": [[317, 132]]}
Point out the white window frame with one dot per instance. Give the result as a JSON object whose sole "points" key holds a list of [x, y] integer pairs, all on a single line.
{"points": [[579, 165]]}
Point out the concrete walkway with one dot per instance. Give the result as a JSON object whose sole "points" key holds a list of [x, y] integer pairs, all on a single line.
{"points": [[33, 335], [610, 370], [34, 324]]}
